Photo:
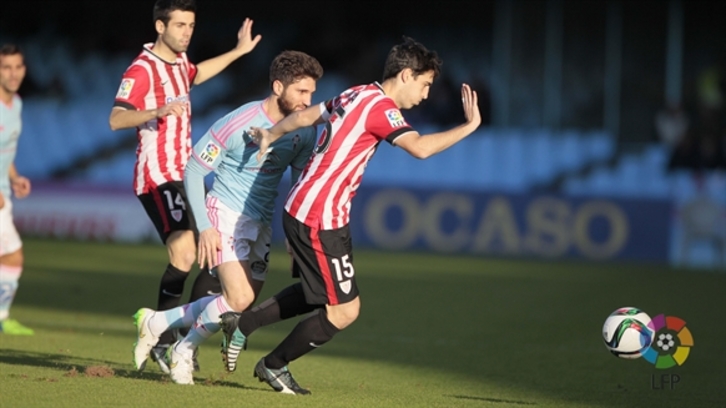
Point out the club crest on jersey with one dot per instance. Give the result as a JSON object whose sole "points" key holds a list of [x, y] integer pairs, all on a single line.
{"points": [[176, 215], [210, 153], [125, 89], [395, 118], [345, 286]]}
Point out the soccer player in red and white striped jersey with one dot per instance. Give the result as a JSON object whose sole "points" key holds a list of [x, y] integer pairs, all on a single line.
{"points": [[154, 98], [317, 210]]}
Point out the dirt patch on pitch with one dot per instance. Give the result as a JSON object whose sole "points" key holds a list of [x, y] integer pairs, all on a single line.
{"points": [[99, 371]]}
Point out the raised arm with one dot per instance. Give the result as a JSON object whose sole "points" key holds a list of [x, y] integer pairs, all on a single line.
{"points": [[314, 115], [424, 146], [213, 66]]}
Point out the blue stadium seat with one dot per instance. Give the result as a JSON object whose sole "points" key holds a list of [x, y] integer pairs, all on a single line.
{"points": [[601, 182], [539, 153], [509, 160], [600, 146]]}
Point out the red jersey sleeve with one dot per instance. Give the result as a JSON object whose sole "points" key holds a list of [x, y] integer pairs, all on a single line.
{"points": [[133, 89], [192, 70], [385, 121]]}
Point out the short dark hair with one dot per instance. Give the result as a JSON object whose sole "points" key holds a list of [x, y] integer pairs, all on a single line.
{"points": [[10, 49], [163, 8], [413, 55], [291, 66]]}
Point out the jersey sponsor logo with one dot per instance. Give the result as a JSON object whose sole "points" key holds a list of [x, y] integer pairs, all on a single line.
{"points": [[395, 118], [182, 98], [295, 141], [345, 286], [210, 153], [125, 89]]}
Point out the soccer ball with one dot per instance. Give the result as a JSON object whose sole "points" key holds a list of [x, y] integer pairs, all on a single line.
{"points": [[626, 332]]}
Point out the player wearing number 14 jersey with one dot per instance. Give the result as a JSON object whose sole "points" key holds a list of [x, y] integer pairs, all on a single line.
{"points": [[154, 99], [317, 210]]}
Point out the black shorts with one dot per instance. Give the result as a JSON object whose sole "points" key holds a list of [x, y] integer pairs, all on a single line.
{"points": [[169, 209], [323, 259]]}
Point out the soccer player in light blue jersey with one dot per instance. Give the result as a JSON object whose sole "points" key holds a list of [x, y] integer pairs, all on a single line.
{"points": [[12, 72], [235, 224]]}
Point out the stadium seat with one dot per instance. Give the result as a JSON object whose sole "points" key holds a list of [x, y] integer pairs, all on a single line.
{"points": [[539, 148]]}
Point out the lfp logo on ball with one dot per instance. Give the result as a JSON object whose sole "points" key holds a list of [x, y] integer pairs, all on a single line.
{"points": [[663, 341]]}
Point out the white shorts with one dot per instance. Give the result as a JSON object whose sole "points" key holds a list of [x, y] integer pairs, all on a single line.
{"points": [[9, 237], [243, 239]]}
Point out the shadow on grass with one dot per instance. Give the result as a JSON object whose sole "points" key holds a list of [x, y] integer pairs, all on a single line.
{"points": [[493, 400], [72, 366]]}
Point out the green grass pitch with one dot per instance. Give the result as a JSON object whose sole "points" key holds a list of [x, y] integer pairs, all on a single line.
{"points": [[434, 331]]}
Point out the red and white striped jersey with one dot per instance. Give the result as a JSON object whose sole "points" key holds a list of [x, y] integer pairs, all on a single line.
{"points": [[356, 122], [164, 144]]}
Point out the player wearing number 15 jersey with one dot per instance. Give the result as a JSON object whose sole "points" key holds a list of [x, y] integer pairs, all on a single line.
{"points": [[318, 206], [154, 99]]}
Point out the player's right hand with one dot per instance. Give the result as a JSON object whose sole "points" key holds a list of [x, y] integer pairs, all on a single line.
{"points": [[176, 108], [209, 245], [261, 137]]}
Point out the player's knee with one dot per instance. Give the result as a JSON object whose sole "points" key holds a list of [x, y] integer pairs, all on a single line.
{"points": [[182, 253], [239, 302], [183, 260], [343, 315]]}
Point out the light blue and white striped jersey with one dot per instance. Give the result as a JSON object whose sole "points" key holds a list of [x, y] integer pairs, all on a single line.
{"points": [[240, 182], [10, 127]]}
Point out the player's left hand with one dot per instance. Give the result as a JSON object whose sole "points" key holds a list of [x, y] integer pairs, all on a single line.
{"points": [[20, 186], [245, 42], [261, 137], [470, 103]]}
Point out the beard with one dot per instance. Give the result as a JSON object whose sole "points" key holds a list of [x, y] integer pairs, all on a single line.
{"points": [[286, 107]]}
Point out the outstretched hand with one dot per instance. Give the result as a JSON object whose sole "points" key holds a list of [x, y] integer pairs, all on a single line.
{"points": [[261, 137], [245, 42], [470, 102]]}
